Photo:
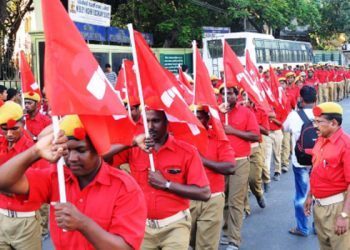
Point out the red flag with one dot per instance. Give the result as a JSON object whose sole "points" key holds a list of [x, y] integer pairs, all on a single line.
{"points": [[204, 95], [183, 79], [127, 83], [236, 74], [160, 93], [185, 92], [279, 94], [27, 78], [75, 83]]}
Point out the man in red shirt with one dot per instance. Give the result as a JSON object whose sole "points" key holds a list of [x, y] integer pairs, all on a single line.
{"points": [[179, 178], [18, 220], [331, 84], [207, 217], [257, 158], [347, 81], [311, 79], [330, 179], [105, 208], [323, 94], [339, 80], [35, 121], [241, 130]]}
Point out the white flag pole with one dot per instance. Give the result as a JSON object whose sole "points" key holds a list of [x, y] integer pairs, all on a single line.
{"points": [[126, 88], [60, 164], [194, 46], [139, 87], [225, 86]]}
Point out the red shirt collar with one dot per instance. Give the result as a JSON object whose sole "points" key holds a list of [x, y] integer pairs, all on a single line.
{"points": [[102, 176], [169, 144], [333, 138], [18, 146]]}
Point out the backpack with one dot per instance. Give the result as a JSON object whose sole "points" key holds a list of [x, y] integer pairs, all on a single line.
{"points": [[306, 140]]}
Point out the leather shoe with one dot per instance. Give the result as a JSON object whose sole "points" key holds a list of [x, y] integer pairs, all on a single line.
{"points": [[261, 201]]}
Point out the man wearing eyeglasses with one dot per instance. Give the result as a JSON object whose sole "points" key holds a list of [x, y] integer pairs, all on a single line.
{"points": [[19, 221], [330, 179]]}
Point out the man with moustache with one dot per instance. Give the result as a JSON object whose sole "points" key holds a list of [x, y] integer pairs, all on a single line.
{"points": [[179, 177], [242, 129], [330, 179], [105, 208]]}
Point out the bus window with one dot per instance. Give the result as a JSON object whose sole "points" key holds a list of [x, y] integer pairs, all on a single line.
{"points": [[215, 48], [237, 45], [259, 55]]}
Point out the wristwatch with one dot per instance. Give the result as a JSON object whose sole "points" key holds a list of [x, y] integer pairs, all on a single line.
{"points": [[344, 215], [167, 185]]}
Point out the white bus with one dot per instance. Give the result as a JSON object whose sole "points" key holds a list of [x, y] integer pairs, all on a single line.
{"points": [[263, 49]]}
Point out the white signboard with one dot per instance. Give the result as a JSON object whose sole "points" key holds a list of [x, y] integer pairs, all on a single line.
{"points": [[87, 11]]}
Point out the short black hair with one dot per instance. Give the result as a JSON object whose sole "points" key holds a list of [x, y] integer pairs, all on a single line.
{"points": [[235, 90], [107, 65], [335, 116], [2, 89], [261, 67], [11, 92], [308, 94], [184, 67]]}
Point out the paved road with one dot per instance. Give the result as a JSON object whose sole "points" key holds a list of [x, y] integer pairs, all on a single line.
{"points": [[267, 229]]}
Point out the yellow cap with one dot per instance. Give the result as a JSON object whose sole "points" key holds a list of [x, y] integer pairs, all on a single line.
{"points": [[198, 107], [72, 127], [327, 108], [10, 113], [281, 79], [216, 91], [214, 78], [32, 96], [289, 74]]}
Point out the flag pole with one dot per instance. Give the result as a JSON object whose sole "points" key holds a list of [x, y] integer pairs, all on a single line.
{"points": [[139, 87], [194, 51], [126, 88], [60, 164], [225, 86]]}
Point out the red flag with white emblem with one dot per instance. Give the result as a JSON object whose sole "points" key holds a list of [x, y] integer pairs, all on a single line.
{"points": [[76, 84], [263, 86], [126, 83], [27, 78], [279, 94], [160, 93], [204, 94], [236, 74]]}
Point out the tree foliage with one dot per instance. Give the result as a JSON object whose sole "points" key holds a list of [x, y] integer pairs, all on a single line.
{"points": [[11, 16]]}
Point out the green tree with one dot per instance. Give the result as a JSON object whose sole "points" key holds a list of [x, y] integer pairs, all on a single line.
{"points": [[11, 16], [173, 23]]}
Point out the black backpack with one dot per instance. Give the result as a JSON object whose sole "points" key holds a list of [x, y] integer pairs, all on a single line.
{"points": [[307, 140]]}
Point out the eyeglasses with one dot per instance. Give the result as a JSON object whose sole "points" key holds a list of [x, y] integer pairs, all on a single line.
{"points": [[316, 122]]}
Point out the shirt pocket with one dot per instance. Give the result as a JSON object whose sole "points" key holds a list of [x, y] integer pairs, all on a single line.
{"points": [[174, 173], [140, 173]]}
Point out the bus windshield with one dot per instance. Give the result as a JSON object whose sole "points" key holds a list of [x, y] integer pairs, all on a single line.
{"points": [[237, 45]]}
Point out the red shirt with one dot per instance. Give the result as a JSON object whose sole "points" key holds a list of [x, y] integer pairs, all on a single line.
{"points": [[291, 95], [243, 119], [331, 165], [339, 76], [16, 202], [280, 117], [262, 118], [219, 151], [113, 200], [311, 81], [178, 162], [321, 74], [38, 123]]}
